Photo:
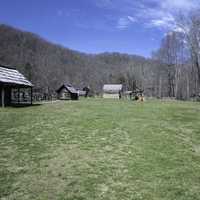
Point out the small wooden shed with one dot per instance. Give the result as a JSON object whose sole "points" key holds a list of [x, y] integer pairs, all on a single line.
{"points": [[113, 91], [14, 87], [67, 92]]}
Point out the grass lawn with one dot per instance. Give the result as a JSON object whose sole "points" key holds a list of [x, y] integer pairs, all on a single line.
{"points": [[100, 149]]}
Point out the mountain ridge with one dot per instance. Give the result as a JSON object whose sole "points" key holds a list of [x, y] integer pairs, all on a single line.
{"points": [[48, 65]]}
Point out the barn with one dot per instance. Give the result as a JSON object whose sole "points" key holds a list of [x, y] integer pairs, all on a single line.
{"points": [[14, 87], [113, 91], [67, 92]]}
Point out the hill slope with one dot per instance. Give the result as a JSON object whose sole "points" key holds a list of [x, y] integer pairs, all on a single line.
{"points": [[48, 65]]}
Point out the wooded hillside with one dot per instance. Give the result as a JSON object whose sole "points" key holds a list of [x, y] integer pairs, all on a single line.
{"points": [[48, 66]]}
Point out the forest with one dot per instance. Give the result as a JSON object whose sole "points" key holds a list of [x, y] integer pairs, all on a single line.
{"points": [[172, 71]]}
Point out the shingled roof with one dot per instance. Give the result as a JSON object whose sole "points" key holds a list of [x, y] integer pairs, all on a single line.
{"points": [[12, 76], [69, 87]]}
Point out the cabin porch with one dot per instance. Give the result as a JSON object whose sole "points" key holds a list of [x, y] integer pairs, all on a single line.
{"points": [[12, 95]]}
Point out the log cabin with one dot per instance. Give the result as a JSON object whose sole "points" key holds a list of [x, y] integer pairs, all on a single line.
{"points": [[14, 87], [67, 92], [113, 91]]}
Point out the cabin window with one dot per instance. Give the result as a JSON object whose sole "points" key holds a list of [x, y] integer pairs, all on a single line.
{"points": [[22, 95]]}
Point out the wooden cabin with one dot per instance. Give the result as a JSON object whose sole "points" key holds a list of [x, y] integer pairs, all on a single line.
{"points": [[67, 92], [113, 91], [14, 87], [84, 92], [81, 93]]}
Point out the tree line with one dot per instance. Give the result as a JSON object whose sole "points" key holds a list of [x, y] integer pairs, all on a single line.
{"points": [[180, 54]]}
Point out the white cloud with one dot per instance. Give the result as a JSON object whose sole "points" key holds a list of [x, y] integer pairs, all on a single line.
{"points": [[164, 14], [160, 23], [132, 19], [125, 22], [165, 22], [152, 13], [185, 5]]}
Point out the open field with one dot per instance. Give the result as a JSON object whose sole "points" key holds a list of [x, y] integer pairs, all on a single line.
{"points": [[100, 149]]}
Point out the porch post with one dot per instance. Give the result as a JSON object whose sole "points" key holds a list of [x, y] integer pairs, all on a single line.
{"points": [[31, 95], [2, 97], [18, 89]]}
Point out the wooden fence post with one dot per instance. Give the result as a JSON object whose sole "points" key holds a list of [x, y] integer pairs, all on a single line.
{"points": [[3, 97]]}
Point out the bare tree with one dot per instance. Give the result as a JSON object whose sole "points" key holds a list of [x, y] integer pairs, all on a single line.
{"points": [[190, 26]]}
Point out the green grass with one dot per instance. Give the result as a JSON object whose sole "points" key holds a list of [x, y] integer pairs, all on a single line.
{"points": [[100, 149]]}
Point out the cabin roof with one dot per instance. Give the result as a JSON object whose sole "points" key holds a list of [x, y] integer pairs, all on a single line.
{"points": [[12, 76], [112, 87], [69, 87]]}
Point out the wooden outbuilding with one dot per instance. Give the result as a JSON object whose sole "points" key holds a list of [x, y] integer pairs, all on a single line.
{"points": [[113, 91], [81, 93], [67, 92], [14, 87]]}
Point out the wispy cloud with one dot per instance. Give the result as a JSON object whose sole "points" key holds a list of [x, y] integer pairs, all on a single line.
{"points": [[66, 13], [152, 13], [185, 5], [162, 20], [125, 22], [164, 14], [131, 19]]}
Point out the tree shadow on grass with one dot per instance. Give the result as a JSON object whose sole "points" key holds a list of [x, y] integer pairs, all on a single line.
{"points": [[22, 105]]}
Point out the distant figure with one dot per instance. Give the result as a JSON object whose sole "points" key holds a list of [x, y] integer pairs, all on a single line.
{"points": [[136, 97], [130, 95], [87, 90], [120, 95]]}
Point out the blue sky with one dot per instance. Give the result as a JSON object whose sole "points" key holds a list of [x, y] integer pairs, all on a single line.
{"points": [[94, 26]]}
